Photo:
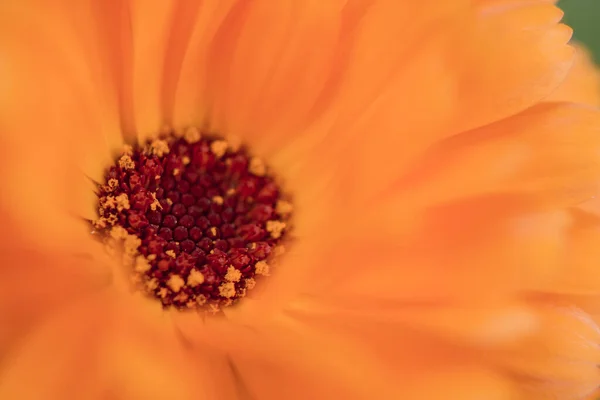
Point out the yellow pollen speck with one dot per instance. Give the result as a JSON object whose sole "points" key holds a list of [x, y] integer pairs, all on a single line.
{"points": [[175, 283], [169, 201], [127, 149], [283, 207], [233, 275], [230, 191], [214, 308], [152, 284], [159, 147], [195, 278], [257, 167], [201, 299], [176, 171], [163, 292], [275, 228], [155, 204], [213, 230], [250, 283], [111, 185], [132, 243], [262, 268], [192, 135], [142, 264], [122, 202], [190, 304], [219, 148], [170, 253], [100, 223], [181, 297], [108, 202], [112, 219], [125, 162], [227, 289], [243, 292], [217, 200], [118, 232], [151, 257], [185, 160]]}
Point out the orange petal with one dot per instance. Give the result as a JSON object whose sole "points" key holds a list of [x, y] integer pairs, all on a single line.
{"points": [[56, 127], [560, 361], [114, 352], [518, 55], [550, 149], [582, 84], [436, 93], [33, 285]]}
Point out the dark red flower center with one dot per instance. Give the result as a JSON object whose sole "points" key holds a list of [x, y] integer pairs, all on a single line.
{"points": [[196, 218]]}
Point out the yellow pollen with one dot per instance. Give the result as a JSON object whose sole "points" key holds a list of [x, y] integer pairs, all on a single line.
{"points": [[230, 192], [185, 160], [155, 204], [201, 299], [219, 148], [125, 162], [159, 147], [195, 278], [142, 264], [151, 257], [112, 219], [118, 232], [233, 275], [213, 230], [163, 292], [108, 202], [111, 185], [190, 304], [182, 297], [257, 167], [262, 268], [213, 308], [169, 201], [132, 243], [192, 135], [275, 228], [176, 171], [152, 284], [170, 253], [217, 200], [250, 283], [122, 202], [175, 283], [283, 207], [227, 289], [100, 223]]}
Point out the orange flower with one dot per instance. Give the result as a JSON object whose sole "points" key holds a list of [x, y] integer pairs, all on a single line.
{"points": [[441, 161]]}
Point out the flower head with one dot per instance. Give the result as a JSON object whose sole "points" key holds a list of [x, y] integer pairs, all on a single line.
{"points": [[297, 199]]}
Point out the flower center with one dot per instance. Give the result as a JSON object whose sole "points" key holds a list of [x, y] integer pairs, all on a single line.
{"points": [[195, 218]]}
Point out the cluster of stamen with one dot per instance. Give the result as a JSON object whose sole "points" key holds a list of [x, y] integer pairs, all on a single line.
{"points": [[195, 217]]}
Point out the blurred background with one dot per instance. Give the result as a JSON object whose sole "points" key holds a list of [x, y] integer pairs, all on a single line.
{"points": [[584, 17]]}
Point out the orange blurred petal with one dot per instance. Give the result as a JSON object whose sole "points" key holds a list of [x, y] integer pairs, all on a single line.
{"points": [[582, 84]]}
